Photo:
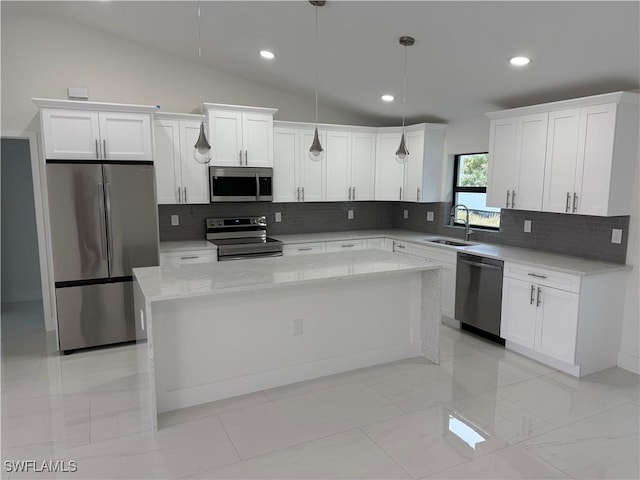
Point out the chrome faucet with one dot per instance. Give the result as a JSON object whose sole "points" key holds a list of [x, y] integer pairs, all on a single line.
{"points": [[467, 231]]}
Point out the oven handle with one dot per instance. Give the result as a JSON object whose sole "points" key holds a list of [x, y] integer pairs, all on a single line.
{"points": [[244, 257]]}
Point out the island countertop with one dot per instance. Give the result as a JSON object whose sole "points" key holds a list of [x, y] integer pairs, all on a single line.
{"points": [[197, 280]]}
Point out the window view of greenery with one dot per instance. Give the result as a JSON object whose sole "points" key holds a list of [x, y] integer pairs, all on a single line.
{"points": [[470, 189]]}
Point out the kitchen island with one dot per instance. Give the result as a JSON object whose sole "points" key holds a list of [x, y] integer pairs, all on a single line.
{"points": [[214, 331]]}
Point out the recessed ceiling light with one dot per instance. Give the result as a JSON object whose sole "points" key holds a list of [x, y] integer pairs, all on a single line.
{"points": [[267, 54], [387, 98], [519, 61]]}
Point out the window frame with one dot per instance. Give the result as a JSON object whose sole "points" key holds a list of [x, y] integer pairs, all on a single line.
{"points": [[456, 189]]}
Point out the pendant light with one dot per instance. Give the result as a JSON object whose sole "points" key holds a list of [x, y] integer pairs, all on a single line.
{"points": [[316, 153], [202, 148], [402, 153]]}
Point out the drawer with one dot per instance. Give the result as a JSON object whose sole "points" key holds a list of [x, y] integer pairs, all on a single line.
{"points": [[376, 243], [433, 253], [542, 276], [345, 245], [188, 257], [304, 248]]}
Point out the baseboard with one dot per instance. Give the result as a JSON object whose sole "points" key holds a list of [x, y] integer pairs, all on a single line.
{"points": [[629, 362]]}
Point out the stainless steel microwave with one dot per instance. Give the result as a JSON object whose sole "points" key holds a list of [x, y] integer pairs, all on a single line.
{"points": [[240, 184]]}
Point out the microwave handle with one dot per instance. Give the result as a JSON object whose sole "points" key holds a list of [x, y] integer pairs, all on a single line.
{"points": [[257, 187]]}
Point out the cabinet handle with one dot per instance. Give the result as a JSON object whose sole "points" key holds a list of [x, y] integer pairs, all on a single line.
{"points": [[246, 158], [575, 202], [400, 193], [538, 298], [399, 246], [537, 275], [354, 193], [298, 194], [185, 195], [348, 245], [305, 249], [566, 207], [513, 199], [508, 195], [97, 150], [240, 157], [533, 291], [349, 193], [179, 195], [104, 149], [189, 258], [418, 194], [302, 194]]}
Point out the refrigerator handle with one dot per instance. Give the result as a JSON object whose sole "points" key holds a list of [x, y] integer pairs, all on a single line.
{"points": [[103, 226], [110, 223]]}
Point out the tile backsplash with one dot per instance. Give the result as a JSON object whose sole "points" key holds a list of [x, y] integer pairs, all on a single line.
{"points": [[577, 235]]}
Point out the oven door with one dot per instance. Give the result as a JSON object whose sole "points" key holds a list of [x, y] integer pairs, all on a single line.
{"points": [[245, 184]]}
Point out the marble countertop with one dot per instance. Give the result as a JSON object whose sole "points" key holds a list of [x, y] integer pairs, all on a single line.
{"points": [[205, 279], [187, 245], [560, 263]]}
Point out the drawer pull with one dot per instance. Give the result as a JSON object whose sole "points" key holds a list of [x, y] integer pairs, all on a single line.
{"points": [[305, 249], [348, 245], [400, 246], [533, 290], [538, 300], [189, 258], [536, 275]]}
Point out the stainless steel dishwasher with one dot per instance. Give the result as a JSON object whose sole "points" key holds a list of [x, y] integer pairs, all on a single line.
{"points": [[479, 294]]}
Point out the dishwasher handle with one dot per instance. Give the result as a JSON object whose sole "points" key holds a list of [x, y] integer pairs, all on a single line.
{"points": [[480, 264]]}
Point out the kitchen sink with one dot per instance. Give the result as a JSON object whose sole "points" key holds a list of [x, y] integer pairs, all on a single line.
{"points": [[444, 241]]}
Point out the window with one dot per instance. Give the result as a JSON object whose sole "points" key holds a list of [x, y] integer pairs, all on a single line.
{"points": [[470, 189]]}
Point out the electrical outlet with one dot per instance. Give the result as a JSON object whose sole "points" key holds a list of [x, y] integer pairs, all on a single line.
{"points": [[175, 220], [616, 235], [278, 217], [429, 216], [350, 214], [527, 226], [406, 214], [297, 327]]}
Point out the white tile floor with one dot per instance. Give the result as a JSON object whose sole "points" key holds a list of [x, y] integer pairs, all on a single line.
{"points": [[482, 413]]}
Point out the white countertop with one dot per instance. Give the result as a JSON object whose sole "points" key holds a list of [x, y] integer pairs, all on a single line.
{"points": [[560, 263], [187, 245], [196, 280]]}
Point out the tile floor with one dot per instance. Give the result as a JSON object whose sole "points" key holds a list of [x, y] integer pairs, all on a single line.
{"points": [[483, 413]]}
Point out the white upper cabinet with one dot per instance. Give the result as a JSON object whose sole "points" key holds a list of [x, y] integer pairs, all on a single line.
{"points": [[338, 157], [241, 136], [363, 161], [311, 174], [179, 178], [590, 146], [85, 133], [286, 150], [420, 178], [516, 162]]}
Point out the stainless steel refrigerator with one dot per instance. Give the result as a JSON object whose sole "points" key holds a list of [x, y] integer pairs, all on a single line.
{"points": [[103, 223]]}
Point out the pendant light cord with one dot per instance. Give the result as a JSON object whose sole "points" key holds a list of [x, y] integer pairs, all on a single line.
{"points": [[404, 89], [316, 11], [200, 58]]}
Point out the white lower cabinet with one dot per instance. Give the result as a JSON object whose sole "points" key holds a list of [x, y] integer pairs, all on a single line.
{"points": [[304, 248], [345, 245], [176, 259], [376, 244]]}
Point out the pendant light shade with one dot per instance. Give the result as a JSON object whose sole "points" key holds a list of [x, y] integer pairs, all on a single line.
{"points": [[402, 154], [316, 152], [202, 149]]}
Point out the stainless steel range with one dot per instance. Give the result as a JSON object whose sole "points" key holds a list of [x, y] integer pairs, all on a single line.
{"points": [[240, 238]]}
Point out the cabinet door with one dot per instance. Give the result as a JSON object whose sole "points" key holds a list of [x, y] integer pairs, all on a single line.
{"points": [[70, 134], [312, 175], [502, 158], [338, 158], [286, 143], [167, 160], [389, 173], [558, 314], [530, 160], [257, 139], [376, 244], [414, 167], [125, 136], [225, 137], [363, 160], [194, 176], [561, 162], [595, 154], [518, 322]]}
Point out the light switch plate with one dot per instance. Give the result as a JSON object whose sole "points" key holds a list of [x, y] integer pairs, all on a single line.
{"points": [[175, 220], [278, 217], [350, 214], [406, 214], [429, 216], [616, 235], [527, 226]]}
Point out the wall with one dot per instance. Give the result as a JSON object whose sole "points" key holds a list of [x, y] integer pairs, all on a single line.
{"points": [[42, 57], [20, 261]]}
